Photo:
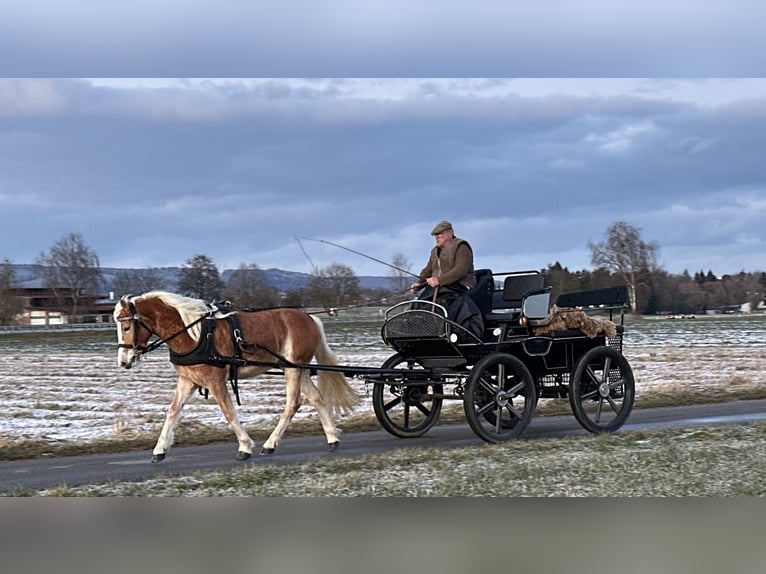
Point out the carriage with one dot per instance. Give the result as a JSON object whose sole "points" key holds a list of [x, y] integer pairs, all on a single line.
{"points": [[521, 356], [524, 351]]}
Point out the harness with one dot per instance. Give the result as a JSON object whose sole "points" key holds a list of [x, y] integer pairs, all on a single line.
{"points": [[205, 352]]}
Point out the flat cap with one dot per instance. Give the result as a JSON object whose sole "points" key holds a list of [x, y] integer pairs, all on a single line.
{"points": [[441, 226]]}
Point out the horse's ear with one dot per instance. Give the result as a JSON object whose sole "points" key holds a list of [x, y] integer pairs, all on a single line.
{"points": [[125, 301]]}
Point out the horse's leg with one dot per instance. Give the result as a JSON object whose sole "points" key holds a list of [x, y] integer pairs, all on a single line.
{"points": [[223, 398], [184, 389], [313, 396], [292, 403]]}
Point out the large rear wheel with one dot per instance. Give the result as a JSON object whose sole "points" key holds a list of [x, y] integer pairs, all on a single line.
{"points": [[406, 406], [499, 398], [602, 390]]}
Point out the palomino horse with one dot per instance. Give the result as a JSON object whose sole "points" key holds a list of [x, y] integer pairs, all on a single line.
{"points": [[209, 346]]}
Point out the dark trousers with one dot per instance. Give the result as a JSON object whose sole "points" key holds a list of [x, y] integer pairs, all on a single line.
{"points": [[460, 308], [445, 294]]}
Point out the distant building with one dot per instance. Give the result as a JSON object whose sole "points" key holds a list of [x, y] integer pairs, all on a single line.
{"points": [[41, 306]]}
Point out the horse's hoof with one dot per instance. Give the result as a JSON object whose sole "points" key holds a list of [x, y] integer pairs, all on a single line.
{"points": [[242, 455], [267, 451], [158, 457], [333, 446]]}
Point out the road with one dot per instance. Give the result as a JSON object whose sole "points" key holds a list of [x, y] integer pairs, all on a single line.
{"points": [[29, 475]]}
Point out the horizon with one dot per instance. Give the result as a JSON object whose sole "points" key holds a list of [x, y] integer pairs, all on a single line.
{"points": [[690, 272]]}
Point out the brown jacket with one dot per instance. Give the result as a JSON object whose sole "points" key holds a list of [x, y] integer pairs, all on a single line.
{"points": [[452, 264]]}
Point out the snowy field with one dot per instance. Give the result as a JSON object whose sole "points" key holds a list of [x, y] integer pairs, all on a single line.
{"points": [[66, 386]]}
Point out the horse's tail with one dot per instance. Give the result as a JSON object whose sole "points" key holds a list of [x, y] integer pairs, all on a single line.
{"points": [[335, 390]]}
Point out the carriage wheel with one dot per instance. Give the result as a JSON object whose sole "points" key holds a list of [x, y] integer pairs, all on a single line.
{"points": [[406, 411], [602, 390], [500, 398]]}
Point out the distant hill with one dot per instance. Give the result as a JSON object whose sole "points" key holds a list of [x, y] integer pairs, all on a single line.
{"points": [[26, 276]]}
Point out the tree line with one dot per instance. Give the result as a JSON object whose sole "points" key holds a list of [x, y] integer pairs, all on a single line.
{"points": [[624, 258], [70, 270]]}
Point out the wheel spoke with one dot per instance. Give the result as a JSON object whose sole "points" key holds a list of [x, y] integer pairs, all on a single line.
{"points": [[607, 368], [516, 389], [392, 403], [488, 386], [597, 418], [513, 410], [616, 384], [594, 378], [422, 408], [589, 395], [484, 408]]}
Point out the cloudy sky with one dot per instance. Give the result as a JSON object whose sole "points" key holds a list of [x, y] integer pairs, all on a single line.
{"points": [[153, 171]]}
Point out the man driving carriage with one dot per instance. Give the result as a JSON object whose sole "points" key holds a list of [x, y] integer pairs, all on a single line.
{"points": [[448, 276]]}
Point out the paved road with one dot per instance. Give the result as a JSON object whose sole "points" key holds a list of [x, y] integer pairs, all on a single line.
{"points": [[18, 476]]}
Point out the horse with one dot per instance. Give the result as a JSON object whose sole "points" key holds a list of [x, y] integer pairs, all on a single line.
{"points": [[210, 344]]}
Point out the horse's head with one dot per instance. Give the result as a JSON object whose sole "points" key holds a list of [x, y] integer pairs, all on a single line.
{"points": [[132, 333]]}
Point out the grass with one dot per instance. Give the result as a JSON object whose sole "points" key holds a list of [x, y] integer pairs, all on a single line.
{"points": [[704, 462]]}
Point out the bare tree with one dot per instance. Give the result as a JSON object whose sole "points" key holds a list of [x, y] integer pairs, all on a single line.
{"points": [[626, 254], [11, 304], [247, 287], [71, 270], [334, 286], [200, 278], [400, 276], [135, 281], [294, 298]]}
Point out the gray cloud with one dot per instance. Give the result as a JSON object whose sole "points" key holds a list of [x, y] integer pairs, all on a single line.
{"points": [[529, 171]]}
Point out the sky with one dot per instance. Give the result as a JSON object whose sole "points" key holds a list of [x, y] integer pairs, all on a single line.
{"points": [[231, 141]]}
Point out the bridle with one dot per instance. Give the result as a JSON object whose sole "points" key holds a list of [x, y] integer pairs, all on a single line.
{"points": [[136, 322]]}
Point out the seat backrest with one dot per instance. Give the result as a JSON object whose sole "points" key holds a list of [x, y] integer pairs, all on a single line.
{"points": [[516, 286], [482, 293], [479, 273], [607, 297]]}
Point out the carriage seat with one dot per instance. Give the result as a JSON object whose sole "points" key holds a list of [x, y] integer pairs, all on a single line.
{"points": [[482, 293], [605, 297], [506, 304]]}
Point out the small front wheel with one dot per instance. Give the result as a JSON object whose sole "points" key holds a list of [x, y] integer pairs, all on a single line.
{"points": [[602, 390], [403, 408], [500, 398]]}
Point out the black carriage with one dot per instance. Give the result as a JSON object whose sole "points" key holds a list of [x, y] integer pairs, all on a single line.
{"points": [[502, 372]]}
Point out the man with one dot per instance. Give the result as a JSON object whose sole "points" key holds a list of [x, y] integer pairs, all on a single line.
{"points": [[449, 270], [448, 276]]}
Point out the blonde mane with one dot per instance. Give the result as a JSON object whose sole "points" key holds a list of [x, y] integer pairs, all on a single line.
{"points": [[188, 308]]}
